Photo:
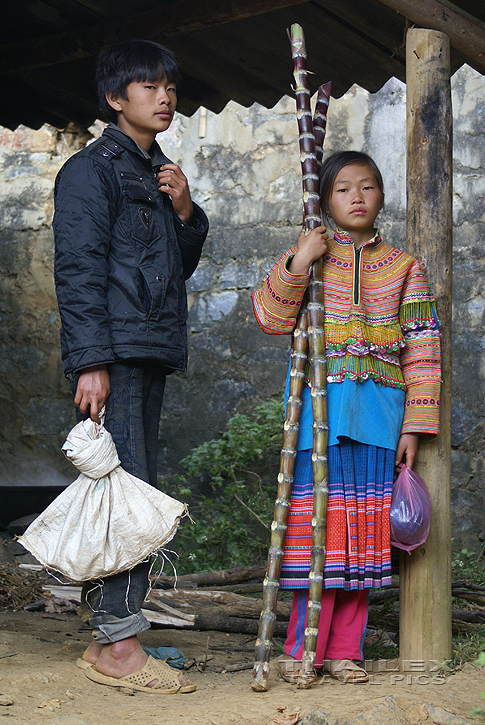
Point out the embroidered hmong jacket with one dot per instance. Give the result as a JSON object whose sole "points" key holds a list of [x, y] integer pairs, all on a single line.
{"points": [[380, 321]]}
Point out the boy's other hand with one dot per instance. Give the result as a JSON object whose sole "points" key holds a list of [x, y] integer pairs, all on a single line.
{"points": [[172, 181], [92, 391], [407, 449], [311, 246]]}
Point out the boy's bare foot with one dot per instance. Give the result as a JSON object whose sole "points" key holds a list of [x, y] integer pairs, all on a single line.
{"points": [[125, 657], [92, 653]]}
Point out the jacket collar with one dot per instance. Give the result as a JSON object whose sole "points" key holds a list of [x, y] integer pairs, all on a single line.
{"points": [[155, 156], [344, 238]]}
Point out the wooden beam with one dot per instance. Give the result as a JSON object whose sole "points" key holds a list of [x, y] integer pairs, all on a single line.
{"points": [[367, 21], [425, 576], [164, 21], [466, 33]]}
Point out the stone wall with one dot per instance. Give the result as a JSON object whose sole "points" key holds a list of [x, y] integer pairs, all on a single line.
{"points": [[35, 410], [243, 167]]}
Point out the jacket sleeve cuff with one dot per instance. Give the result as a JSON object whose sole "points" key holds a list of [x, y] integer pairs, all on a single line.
{"points": [[77, 361], [422, 410], [288, 278], [194, 231], [277, 302]]}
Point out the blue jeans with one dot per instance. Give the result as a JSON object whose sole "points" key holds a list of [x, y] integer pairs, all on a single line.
{"points": [[112, 606]]}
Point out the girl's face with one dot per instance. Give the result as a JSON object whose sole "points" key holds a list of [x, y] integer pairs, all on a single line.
{"points": [[355, 201]]}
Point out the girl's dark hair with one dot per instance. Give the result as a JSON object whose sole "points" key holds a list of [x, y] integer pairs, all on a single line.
{"points": [[128, 62], [330, 170]]}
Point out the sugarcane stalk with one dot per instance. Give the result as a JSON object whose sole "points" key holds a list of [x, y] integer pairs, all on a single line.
{"points": [[316, 341], [278, 527], [320, 120], [314, 315], [290, 432]]}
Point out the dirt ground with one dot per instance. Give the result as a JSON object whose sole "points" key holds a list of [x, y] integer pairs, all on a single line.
{"points": [[40, 684]]}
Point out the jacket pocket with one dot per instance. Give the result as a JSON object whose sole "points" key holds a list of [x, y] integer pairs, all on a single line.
{"points": [[142, 214], [154, 286]]}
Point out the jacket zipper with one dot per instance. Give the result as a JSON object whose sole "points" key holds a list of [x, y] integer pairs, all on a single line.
{"points": [[357, 254]]}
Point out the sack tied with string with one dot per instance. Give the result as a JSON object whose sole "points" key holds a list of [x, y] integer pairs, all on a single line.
{"points": [[107, 520]]}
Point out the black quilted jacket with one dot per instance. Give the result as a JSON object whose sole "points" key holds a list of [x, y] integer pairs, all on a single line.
{"points": [[122, 256]]}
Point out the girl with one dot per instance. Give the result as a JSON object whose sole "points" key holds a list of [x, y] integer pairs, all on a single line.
{"points": [[383, 375]]}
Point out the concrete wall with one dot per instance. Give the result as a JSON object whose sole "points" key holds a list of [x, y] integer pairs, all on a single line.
{"points": [[244, 170]]}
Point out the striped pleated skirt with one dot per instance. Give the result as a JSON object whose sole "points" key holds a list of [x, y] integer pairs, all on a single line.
{"points": [[358, 549]]}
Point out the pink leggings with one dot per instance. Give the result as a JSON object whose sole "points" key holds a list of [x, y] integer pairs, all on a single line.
{"points": [[341, 629]]}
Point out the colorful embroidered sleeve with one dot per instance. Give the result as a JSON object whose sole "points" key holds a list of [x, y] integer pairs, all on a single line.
{"points": [[420, 358], [277, 301]]}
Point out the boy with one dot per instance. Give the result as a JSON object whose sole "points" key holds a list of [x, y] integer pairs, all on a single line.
{"points": [[127, 235]]}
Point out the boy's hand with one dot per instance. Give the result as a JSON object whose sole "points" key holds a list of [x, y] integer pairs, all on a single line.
{"points": [[92, 391], [172, 181], [408, 447], [311, 246]]}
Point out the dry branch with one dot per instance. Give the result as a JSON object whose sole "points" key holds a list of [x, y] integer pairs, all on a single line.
{"points": [[207, 621], [468, 596], [251, 587], [211, 578], [461, 590], [224, 603], [471, 615]]}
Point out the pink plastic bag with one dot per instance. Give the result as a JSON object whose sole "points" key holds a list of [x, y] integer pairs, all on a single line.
{"points": [[410, 511]]}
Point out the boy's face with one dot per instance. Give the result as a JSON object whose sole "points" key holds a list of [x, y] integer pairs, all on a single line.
{"points": [[147, 110]]}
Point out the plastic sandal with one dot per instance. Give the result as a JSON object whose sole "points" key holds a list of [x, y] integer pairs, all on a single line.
{"points": [[83, 664], [346, 671], [168, 679], [289, 669]]}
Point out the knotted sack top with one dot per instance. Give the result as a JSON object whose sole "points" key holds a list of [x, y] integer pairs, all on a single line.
{"points": [[90, 447]]}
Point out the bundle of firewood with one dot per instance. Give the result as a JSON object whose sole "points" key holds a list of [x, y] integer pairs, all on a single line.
{"points": [[214, 601], [206, 609]]}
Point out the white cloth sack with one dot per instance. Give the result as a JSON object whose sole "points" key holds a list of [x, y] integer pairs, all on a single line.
{"points": [[107, 520]]}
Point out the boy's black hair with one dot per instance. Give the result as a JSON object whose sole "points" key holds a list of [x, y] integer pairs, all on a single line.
{"points": [[128, 62], [330, 170]]}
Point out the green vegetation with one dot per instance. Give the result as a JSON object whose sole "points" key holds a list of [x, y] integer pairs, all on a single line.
{"points": [[468, 638], [383, 649], [468, 642], [469, 566], [230, 519]]}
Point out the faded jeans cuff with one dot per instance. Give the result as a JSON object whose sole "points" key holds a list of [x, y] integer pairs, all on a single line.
{"points": [[113, 629]]}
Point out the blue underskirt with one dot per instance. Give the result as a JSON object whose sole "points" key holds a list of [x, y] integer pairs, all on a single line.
{"points": [[365, 412]]}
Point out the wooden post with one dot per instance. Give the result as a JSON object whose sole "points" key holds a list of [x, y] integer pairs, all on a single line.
{"points": [[425, 576]]}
